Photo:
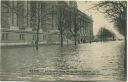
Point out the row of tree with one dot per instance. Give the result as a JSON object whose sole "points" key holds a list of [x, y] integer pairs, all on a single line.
{"points": [[67, 22], [35, 14], [105, 34], [116, 12]]}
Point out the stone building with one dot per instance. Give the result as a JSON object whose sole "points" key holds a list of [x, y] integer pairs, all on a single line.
{"points": [[85, 27], [20, 21]]}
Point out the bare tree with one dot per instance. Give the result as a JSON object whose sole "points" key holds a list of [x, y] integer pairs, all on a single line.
{"points": [[61, 20], [116, 11], [39, 17], [74, 25]]}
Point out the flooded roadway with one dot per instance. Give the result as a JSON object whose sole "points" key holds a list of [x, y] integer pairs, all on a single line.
{"points": [[95, 61]]}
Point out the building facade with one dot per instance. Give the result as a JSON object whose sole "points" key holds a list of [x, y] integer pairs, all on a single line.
{"points": [[21, 20], [85, 28]]}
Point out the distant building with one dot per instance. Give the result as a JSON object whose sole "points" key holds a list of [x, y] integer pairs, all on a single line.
{"points": [[21, 19]]}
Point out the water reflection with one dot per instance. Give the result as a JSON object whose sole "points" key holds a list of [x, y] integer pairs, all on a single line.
{"points": [[96, 61]]}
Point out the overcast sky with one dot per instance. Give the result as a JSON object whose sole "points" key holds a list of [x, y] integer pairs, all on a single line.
{"points": [[98, 18]]}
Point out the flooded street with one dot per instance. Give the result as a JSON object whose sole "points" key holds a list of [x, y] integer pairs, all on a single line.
{"points": [[95, 61]]}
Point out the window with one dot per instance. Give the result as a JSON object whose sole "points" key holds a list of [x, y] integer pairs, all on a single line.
{"points": [[34, 37], [22, 37], [44, 37], [5, 36]]}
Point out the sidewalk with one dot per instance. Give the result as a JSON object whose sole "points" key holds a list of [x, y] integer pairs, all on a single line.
{"points": [[20, 44], [31, 44]]}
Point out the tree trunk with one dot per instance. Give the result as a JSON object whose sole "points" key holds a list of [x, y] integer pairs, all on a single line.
{"points": [[67, 41], [61, 38], [75, 40], [37, 41], [125, 56]]}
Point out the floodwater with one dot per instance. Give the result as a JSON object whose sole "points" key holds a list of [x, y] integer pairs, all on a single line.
{"points": [[95, 61]]}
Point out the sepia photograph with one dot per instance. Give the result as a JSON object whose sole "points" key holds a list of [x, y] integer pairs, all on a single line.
{"points": [[63, 40]]}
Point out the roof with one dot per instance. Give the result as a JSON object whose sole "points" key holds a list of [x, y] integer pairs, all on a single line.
{"points": [[85, 15]]}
